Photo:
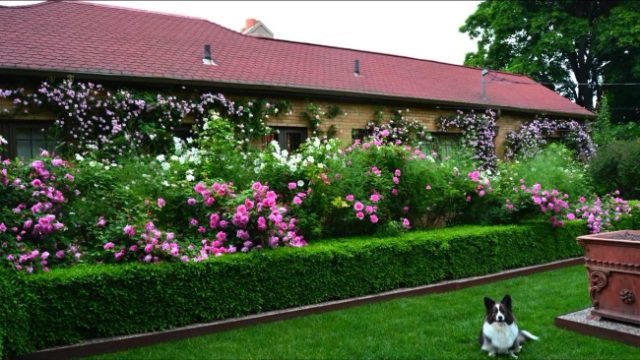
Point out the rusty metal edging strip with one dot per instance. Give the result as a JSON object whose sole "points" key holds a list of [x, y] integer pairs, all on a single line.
{"points": [[120, 343]]}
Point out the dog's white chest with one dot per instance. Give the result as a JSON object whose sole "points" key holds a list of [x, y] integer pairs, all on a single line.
{"points": [[502, 335]]}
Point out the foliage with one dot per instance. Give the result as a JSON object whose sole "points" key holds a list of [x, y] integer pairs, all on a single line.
{"points": [[110, 123], [14, 318], [552, 41], [35, 200], [250, 122], [533, 136], [400, 129], [478, 133], [315, 116], [616, 168], [110, 300], [553, 167]]}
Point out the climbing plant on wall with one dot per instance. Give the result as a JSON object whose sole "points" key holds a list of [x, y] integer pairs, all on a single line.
{"points": [[114, 122], [478, 134], [400, 129], [315, 116], [532, 136]]}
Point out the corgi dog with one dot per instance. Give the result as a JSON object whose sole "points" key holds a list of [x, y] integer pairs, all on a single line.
{"points": [[500, 333]]}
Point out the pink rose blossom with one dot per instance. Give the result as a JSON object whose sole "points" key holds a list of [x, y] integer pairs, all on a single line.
{"points": [[374, 219], [358, 206], [161, 203], [109, 246], [129, 230], [375, 198], [360, 215], [191, 201], [292, 186], [349, 197]]}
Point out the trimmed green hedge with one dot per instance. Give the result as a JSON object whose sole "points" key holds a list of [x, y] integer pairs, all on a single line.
{"points": [[89, 301], [14, 320]]}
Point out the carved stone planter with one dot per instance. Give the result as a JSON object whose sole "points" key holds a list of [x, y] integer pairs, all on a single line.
{"points": [[613, 262]]}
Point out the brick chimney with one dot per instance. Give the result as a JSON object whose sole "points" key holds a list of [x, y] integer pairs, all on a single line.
{"points": [[254, 27]]}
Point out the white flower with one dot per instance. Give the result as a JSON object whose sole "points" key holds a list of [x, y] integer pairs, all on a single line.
{"points": [[165, 166], [165, 183], [93, 163], [160, 158], [79, 157], [190, 177], [3, 141], [300, 183]]}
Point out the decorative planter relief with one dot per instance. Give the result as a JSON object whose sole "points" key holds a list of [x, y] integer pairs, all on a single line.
{"points": [[613, 263]]}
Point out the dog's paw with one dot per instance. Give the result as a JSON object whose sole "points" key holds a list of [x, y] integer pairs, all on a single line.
{"points": [[513, 355], [518, 349], [492, 354]]}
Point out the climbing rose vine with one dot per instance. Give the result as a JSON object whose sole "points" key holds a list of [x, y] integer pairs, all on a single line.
{"points": [[532, 137], [116, 122], [478, 133]]}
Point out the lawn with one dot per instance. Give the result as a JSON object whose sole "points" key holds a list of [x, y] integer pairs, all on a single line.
{"points": [[433, 326]]}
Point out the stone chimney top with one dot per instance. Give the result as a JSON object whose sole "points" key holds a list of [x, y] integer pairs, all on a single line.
{"points": [[254, 27]]}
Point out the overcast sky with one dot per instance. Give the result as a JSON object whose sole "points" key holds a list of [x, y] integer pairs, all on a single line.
{"points": [[425, 30]]}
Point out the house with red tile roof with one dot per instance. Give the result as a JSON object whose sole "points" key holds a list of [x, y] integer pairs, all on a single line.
{"points": [[140, 48]]}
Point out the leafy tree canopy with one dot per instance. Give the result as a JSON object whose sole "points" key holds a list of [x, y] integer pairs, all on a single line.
{"points": [[571, 46]]}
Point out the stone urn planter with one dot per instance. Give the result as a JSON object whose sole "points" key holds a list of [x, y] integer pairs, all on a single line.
{"points": [[613, 263]]}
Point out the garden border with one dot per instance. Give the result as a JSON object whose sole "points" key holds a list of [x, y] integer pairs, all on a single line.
{"points": [[120, 343]]}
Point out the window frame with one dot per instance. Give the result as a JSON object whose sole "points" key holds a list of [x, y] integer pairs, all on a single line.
{"points": [[10, 128], [281, 135]]}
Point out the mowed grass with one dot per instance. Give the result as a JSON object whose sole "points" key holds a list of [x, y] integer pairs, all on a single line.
{"points": [[440, 326]]}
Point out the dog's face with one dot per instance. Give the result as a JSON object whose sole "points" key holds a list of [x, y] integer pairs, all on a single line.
{"points": [[499, 312]]}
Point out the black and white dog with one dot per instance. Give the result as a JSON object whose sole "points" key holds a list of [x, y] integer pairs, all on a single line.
{"points": [[500, 333]]}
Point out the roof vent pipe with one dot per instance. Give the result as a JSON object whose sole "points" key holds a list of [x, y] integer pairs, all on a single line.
{"points": [[207, 59], [356, 68], [482, 83]]}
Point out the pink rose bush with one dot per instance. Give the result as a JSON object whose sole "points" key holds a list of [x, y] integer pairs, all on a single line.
{"points": [[218, 221], [35, 198]]}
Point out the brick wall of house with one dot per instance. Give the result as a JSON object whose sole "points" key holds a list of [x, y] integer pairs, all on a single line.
{"points": [[355, 116], [359, 114]]}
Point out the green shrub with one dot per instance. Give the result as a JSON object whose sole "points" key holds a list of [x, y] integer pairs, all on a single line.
{"points": [[14, 323], [108, 300], [553, 168], [615, 167]]}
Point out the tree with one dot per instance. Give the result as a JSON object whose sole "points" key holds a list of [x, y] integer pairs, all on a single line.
{"points": [[567, 45]]}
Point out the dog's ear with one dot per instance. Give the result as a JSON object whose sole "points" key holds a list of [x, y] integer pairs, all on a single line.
{"points": [[506, 301], [488, 302]]}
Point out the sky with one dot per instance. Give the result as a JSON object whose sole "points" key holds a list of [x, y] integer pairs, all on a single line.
{"points": [[420, 29]]}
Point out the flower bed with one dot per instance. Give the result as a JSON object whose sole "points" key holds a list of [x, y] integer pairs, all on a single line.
{"points": [[108, 300]]}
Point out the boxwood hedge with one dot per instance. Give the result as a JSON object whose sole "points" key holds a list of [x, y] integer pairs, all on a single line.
{"points": [[90, 301]]}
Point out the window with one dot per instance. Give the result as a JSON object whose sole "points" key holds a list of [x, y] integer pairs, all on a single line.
{"points": [[26, 139], [359, 134], [183, 131], [290, 138], [445, 144]]}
